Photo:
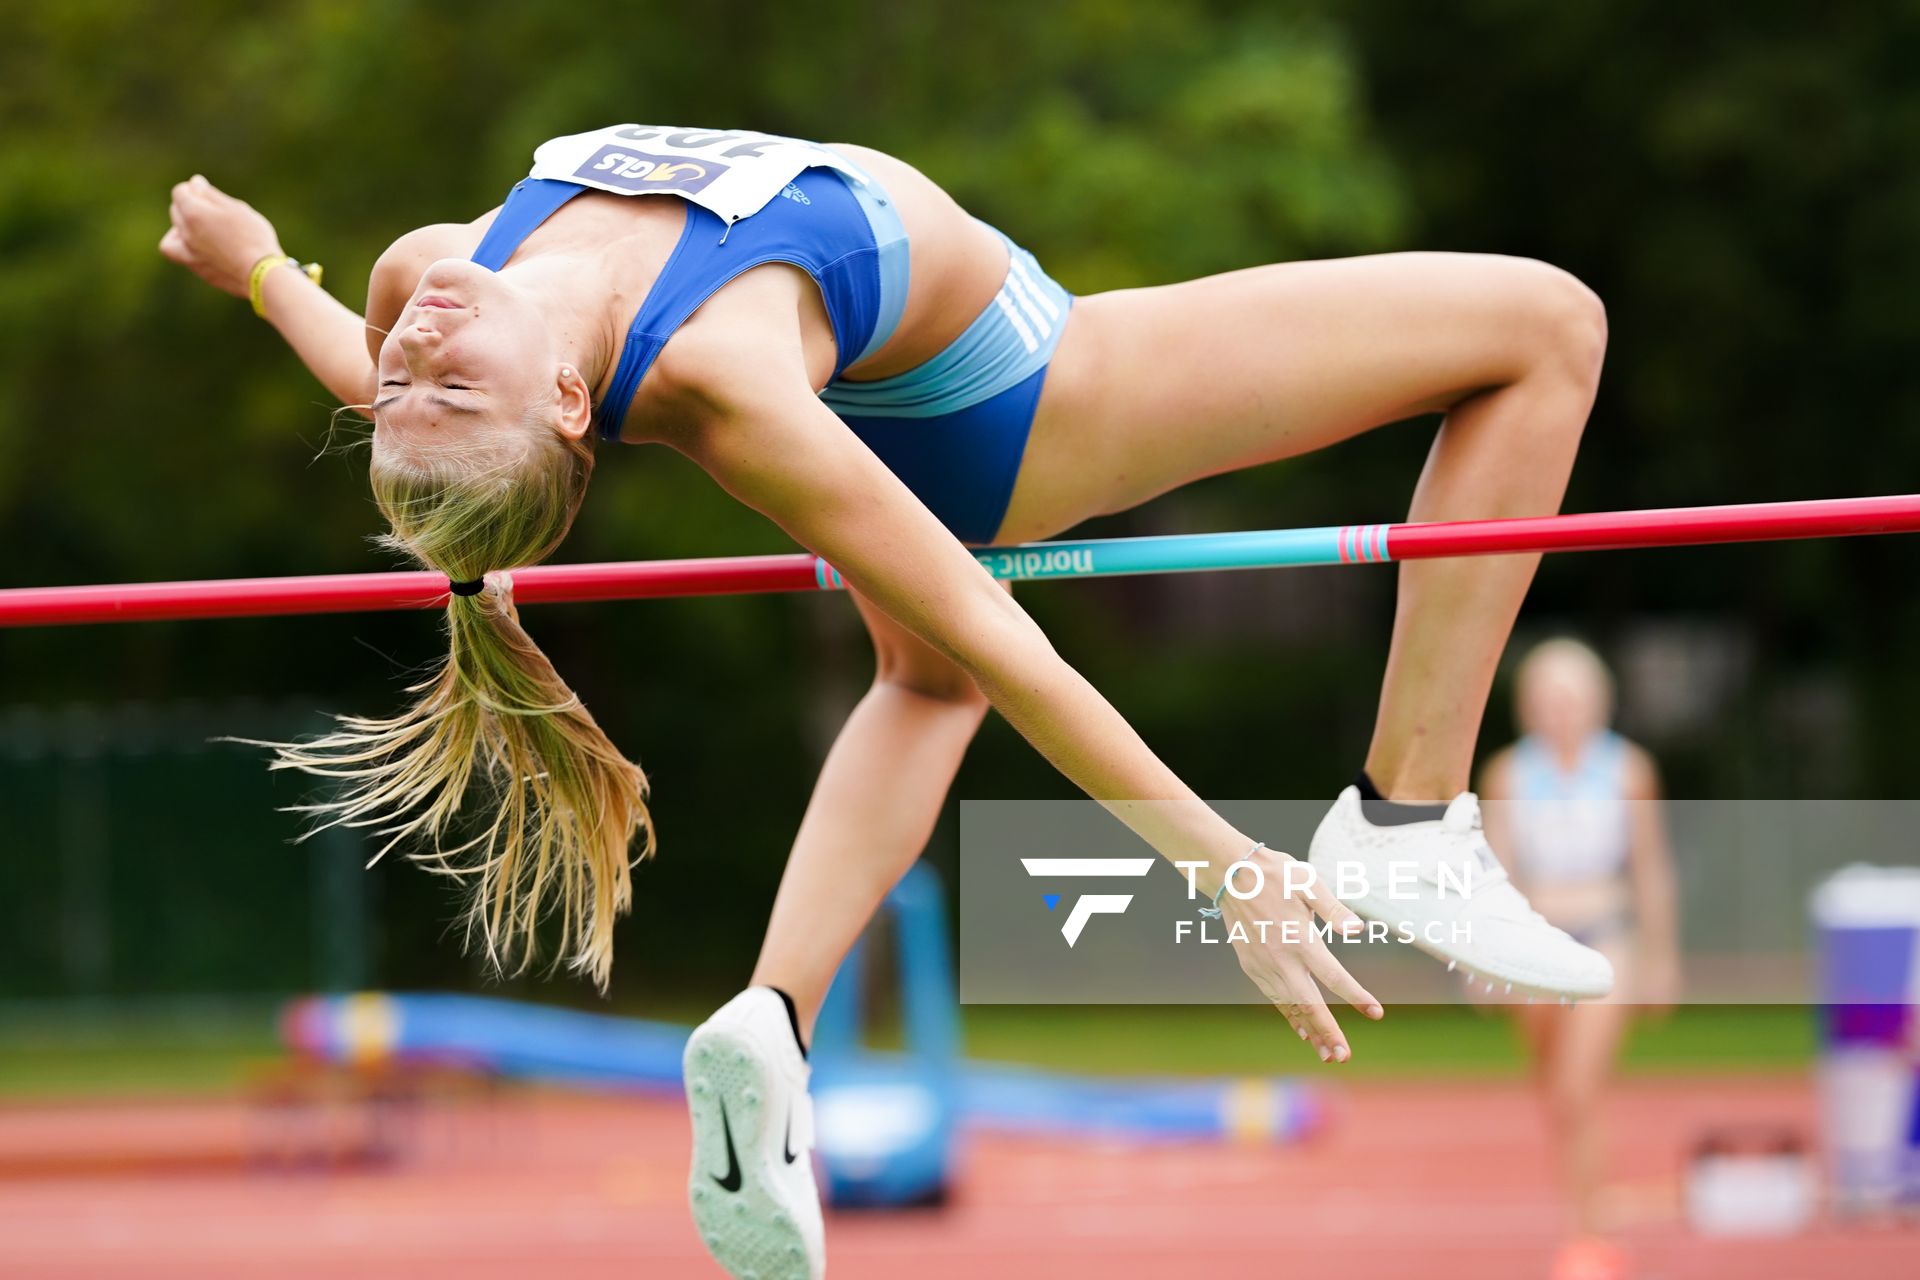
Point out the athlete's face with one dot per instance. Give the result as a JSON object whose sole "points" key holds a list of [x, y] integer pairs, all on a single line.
{"points": [[469, 352]]}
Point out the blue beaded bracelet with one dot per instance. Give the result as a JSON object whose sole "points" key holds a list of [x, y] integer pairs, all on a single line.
{"points": [[1213, 912]]}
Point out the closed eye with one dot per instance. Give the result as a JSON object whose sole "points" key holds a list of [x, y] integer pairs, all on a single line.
{"points": [[441, 401], [451, 386]]}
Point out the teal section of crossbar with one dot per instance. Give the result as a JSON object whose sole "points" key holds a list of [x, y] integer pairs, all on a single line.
{"points": [[1173, 553], [1183, 553]]}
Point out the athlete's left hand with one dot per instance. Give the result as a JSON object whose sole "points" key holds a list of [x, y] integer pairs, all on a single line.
{"points": [[216, 236], [1285, 958]]}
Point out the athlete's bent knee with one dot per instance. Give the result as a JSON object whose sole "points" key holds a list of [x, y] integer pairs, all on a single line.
{"points": [[1566, 322]]}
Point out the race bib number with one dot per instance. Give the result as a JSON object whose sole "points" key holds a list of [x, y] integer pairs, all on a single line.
{"points": [[732, 172]]}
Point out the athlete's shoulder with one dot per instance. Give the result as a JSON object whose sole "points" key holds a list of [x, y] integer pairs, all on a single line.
{"points": [[398, 268], [397, 271], [434, 241], [1640, 772]]}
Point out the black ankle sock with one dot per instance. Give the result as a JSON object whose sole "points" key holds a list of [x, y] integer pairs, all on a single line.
{"points": [[1382, 812], [793, 1018]]}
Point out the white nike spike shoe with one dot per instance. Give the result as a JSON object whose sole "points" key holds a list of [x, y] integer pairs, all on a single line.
{"points": [[751, 1186], [1411, 878]]}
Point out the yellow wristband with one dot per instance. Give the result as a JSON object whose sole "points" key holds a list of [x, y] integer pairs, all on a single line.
{"points": [[257, 278]]}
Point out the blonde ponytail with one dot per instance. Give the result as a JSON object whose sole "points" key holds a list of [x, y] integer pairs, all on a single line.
{"points": [[560, 804]]}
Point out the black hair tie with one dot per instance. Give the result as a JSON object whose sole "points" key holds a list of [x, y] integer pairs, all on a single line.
{"points": [[472, 588]]}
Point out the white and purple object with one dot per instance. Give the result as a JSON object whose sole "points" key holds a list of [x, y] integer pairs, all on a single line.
{"points": [[1868, 924]]}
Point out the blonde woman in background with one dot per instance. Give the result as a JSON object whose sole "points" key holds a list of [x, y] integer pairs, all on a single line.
{"points": [[1573, 810]]}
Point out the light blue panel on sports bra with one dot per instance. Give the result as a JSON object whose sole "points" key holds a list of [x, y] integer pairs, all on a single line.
{"points": [[1570, 825], [1007, 343], [890, 242]]}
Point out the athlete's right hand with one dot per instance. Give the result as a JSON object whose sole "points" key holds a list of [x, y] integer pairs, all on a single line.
{"points": [[216, 236], [1285, 965]]}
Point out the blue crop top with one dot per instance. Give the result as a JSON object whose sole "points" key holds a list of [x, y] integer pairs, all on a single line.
{"points": [[820, 223]]}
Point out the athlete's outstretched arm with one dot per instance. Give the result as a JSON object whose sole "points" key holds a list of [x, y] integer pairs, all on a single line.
{"points": [[219, 238], [769, 441]]}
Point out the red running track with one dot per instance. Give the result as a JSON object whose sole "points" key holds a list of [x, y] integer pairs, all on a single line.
{"points": [[1441, 1182]]}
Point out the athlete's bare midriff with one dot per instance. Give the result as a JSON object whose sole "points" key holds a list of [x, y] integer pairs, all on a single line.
{"points": [[957, 265]]}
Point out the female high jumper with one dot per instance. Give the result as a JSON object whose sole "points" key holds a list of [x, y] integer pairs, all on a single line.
{"points": [[846, 350], [1573, 808]]}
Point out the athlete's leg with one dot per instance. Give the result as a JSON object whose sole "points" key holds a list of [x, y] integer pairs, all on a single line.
{"points": [[1154, 388], [1573, 1078], [872, 810]]}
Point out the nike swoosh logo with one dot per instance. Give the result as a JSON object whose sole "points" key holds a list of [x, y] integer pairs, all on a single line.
{"points": [[786, 1143], [732, 1181]]}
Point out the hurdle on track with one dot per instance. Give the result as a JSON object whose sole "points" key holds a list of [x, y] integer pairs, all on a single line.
{"points": [[1094, 558]]}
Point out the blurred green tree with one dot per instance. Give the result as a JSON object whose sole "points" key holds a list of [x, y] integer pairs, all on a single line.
{"points": [[151, 428]]}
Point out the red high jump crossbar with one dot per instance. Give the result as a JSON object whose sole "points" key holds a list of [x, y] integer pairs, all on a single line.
{"points": [[1180, 553]]}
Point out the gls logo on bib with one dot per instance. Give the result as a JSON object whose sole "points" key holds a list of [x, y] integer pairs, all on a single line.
{"points": [[638, 172]]}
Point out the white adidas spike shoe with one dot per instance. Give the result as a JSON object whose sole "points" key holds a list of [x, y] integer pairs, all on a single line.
{"points": [[751, 1186], [1438, 885]]}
